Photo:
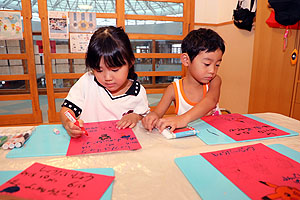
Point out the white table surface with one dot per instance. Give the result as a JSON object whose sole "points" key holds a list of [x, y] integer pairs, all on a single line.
{"points": [[149, 173]]}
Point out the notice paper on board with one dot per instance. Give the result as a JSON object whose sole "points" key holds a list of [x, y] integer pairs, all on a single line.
{"points": [[103, 137], [240, 127], [45, 182], [259, 171]]}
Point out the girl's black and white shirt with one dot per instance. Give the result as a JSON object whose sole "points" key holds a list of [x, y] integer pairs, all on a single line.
{"points": [[93, 103]]}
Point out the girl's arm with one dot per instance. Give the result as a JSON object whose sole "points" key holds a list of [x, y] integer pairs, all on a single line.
{"points": [[150, 120], [208, 103], [71, 128], [129, 121]]}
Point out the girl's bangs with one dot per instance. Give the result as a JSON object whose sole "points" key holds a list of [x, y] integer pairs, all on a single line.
{"points": [[113, 59]]}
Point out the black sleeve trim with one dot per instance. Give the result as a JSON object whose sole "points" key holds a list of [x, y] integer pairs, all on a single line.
{"points": [[72, 106], [134, 89]]}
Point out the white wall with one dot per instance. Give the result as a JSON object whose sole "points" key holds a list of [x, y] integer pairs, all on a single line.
{"points": [[236, 66], [214, 11]]}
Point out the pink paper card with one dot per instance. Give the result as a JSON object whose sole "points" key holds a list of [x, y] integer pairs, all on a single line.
{"points": [[103, 137], [259, 171], [240, 127], [45, 182]]}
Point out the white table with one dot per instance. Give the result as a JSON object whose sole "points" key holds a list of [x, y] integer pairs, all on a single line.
{"points": [[150, 173]]}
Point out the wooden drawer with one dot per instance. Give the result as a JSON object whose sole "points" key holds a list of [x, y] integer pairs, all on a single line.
{"points": [[298, 93], [296, 113]]}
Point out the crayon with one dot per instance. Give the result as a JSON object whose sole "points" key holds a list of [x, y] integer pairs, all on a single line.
{"points": [[3, 139], [75, 121]]}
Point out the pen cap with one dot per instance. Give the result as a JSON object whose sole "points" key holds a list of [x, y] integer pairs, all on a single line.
{"points": [[11, 145], [3, 139], [22, 140], [5, 145]]}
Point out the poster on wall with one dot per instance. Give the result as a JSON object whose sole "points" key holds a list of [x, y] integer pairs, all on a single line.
{"points": [[79, 42], [82, 22], [10, 26], [58, 25]]}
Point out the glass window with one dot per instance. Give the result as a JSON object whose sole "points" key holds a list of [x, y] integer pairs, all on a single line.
{"points": [[15, 107], [161, 46], [137, 7], [103, 6], [153, 27]]}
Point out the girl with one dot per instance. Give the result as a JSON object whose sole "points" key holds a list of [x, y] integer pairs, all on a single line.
{"points": [[109, 90]]}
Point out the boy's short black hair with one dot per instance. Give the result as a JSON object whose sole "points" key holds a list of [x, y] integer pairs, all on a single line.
{"points": [[202, 40], [113, 45]]}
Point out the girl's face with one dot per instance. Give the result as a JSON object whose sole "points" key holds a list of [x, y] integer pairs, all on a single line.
{"points": [[205, 66], [113, 79]]}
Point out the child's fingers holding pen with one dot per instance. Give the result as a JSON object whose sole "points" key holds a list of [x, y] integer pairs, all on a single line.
{"points": [[81, 123], [164, 123], [73, 130]]}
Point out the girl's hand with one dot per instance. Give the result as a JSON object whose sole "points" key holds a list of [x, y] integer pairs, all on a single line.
{"points": [[128, 121], [171, 122], [73, 130], [150, 120]]}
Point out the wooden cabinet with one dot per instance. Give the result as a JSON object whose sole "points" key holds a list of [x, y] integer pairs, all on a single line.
{"points": [[274, 79]]}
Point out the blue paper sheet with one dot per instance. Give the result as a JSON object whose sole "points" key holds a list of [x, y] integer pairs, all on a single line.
{"points": [[210, 135], [6, 175], [211, 184], [43, 142]]}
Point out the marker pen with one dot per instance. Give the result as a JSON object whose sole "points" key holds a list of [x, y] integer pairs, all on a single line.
{"points": [[10, 143], [75, 121], [14, 140], [3, 139], [178, 133], [22, 140]]}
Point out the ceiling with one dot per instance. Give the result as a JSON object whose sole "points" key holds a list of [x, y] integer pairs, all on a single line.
{"points": [[138, 7]]}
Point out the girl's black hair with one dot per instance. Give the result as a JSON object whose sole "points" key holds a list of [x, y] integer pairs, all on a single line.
{"points": [[113, 45], [202, 40]]}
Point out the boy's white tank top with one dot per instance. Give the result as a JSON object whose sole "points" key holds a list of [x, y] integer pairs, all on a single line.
{"points": [[183, 104]]}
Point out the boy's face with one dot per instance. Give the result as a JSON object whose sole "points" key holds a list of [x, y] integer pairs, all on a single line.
{"points": [[205, 65], [113, 79]]}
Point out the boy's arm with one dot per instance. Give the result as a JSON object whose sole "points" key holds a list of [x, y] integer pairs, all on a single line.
{"points": [[150, 120], [165, 101], [208, 103]]}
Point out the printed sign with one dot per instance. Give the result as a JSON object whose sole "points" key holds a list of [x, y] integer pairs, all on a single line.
{"points": [[82, 21], [79, 42], [58, 25], [10, 26]]}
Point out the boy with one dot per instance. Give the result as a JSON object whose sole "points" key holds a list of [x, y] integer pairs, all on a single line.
{"points": [[197, 94]]}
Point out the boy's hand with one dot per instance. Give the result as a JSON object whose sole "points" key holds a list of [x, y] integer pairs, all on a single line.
{"points": [[73, 130], [128, 121], [171, 122], [150, 120]]}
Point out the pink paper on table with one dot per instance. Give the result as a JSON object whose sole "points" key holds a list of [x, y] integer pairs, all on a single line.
{"points": [[103, 137], [258, 171], [240, 127], [45, 182]]}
